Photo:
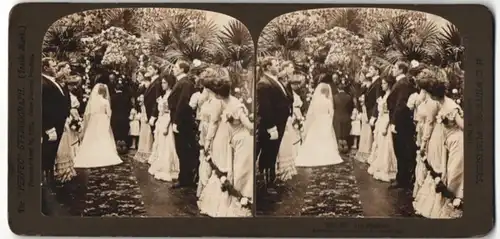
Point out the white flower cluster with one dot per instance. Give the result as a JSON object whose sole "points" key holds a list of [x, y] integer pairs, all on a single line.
{"points": [[119, 43], [114, 55], [343, 45]]}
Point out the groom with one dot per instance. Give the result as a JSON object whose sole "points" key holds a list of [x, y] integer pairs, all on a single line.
{"points": [[273, 109], [183, 124], [55, 110], [402, 126]]}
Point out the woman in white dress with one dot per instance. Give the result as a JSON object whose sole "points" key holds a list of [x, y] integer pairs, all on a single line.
{"points": [[68, 147], [383, 162], [165, 164], [206, 104], [285, 164], [230, 143], [145, 145], [319, 147], [98, 147]]}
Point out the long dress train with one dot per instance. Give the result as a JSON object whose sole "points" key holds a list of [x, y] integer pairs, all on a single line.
{"points": [[383, 162], [98, 147], [320, 144], [445, 154], [165, 164], [232, 152]]}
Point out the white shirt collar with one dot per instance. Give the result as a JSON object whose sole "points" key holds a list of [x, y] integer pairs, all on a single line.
{"points": [[53, 80], [181, 76], [271, 76], [375, 78], [274, 78], [399, 77]]}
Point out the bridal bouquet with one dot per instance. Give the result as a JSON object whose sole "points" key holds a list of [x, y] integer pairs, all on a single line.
{"points": [[75, 124]]}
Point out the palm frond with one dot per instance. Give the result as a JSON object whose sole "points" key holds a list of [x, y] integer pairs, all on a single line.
{"points": [[427, 34], [124, 18], [348, 18], [236, 33], [61, 40], [450, 45]]}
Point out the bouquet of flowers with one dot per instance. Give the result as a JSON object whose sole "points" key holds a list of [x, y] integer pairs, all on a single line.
{"points": [[245, 202]]}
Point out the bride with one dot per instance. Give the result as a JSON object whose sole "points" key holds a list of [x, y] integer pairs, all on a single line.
{"points": [[98, 147], [319, 147]]}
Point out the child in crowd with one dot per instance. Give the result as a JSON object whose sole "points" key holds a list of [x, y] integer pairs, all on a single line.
{"points": [[135, 124], [355, 125]]}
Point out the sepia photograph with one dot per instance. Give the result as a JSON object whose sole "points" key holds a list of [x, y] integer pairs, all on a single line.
{"points": [[359, 114], [147, 112]]}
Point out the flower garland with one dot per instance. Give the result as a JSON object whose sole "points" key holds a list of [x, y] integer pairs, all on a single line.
{"points": [[86, 85], [440, 187], [226, 186]]}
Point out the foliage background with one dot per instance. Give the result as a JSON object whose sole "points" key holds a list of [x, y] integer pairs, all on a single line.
{"points": [[117, 40], [342, 37]]}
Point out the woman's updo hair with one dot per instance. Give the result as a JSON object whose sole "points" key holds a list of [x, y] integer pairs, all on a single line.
{"points": [[425, 79], [433, 81], [218, 81]]}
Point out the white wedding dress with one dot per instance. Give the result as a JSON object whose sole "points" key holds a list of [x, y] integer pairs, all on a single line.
{"points": [[319, 147], [98, 147]]}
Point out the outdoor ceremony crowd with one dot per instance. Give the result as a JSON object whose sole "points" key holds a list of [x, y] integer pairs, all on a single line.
{"points": [[185, 123], [411, 134], [403, 125]]}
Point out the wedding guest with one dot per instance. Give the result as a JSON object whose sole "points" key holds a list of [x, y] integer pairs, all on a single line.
{"points": [[55, 109], [230, 143], [402, 127], [441, 194], [164, 162], [356, 125], [184, 126], [383, 163], [425, 121], [206, 104], [135, 124], [343, 106], [63, 72], [285, 163], [273, 109], [70, 139], [151, 93], [366, 135], [145, 136], [373, 93]]}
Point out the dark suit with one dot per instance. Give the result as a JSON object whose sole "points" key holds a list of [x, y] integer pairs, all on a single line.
{"points": [[404, 140], [55, 110], [273, 107], [183, 116], [120, 106], [151, 94], [373, 92]]}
